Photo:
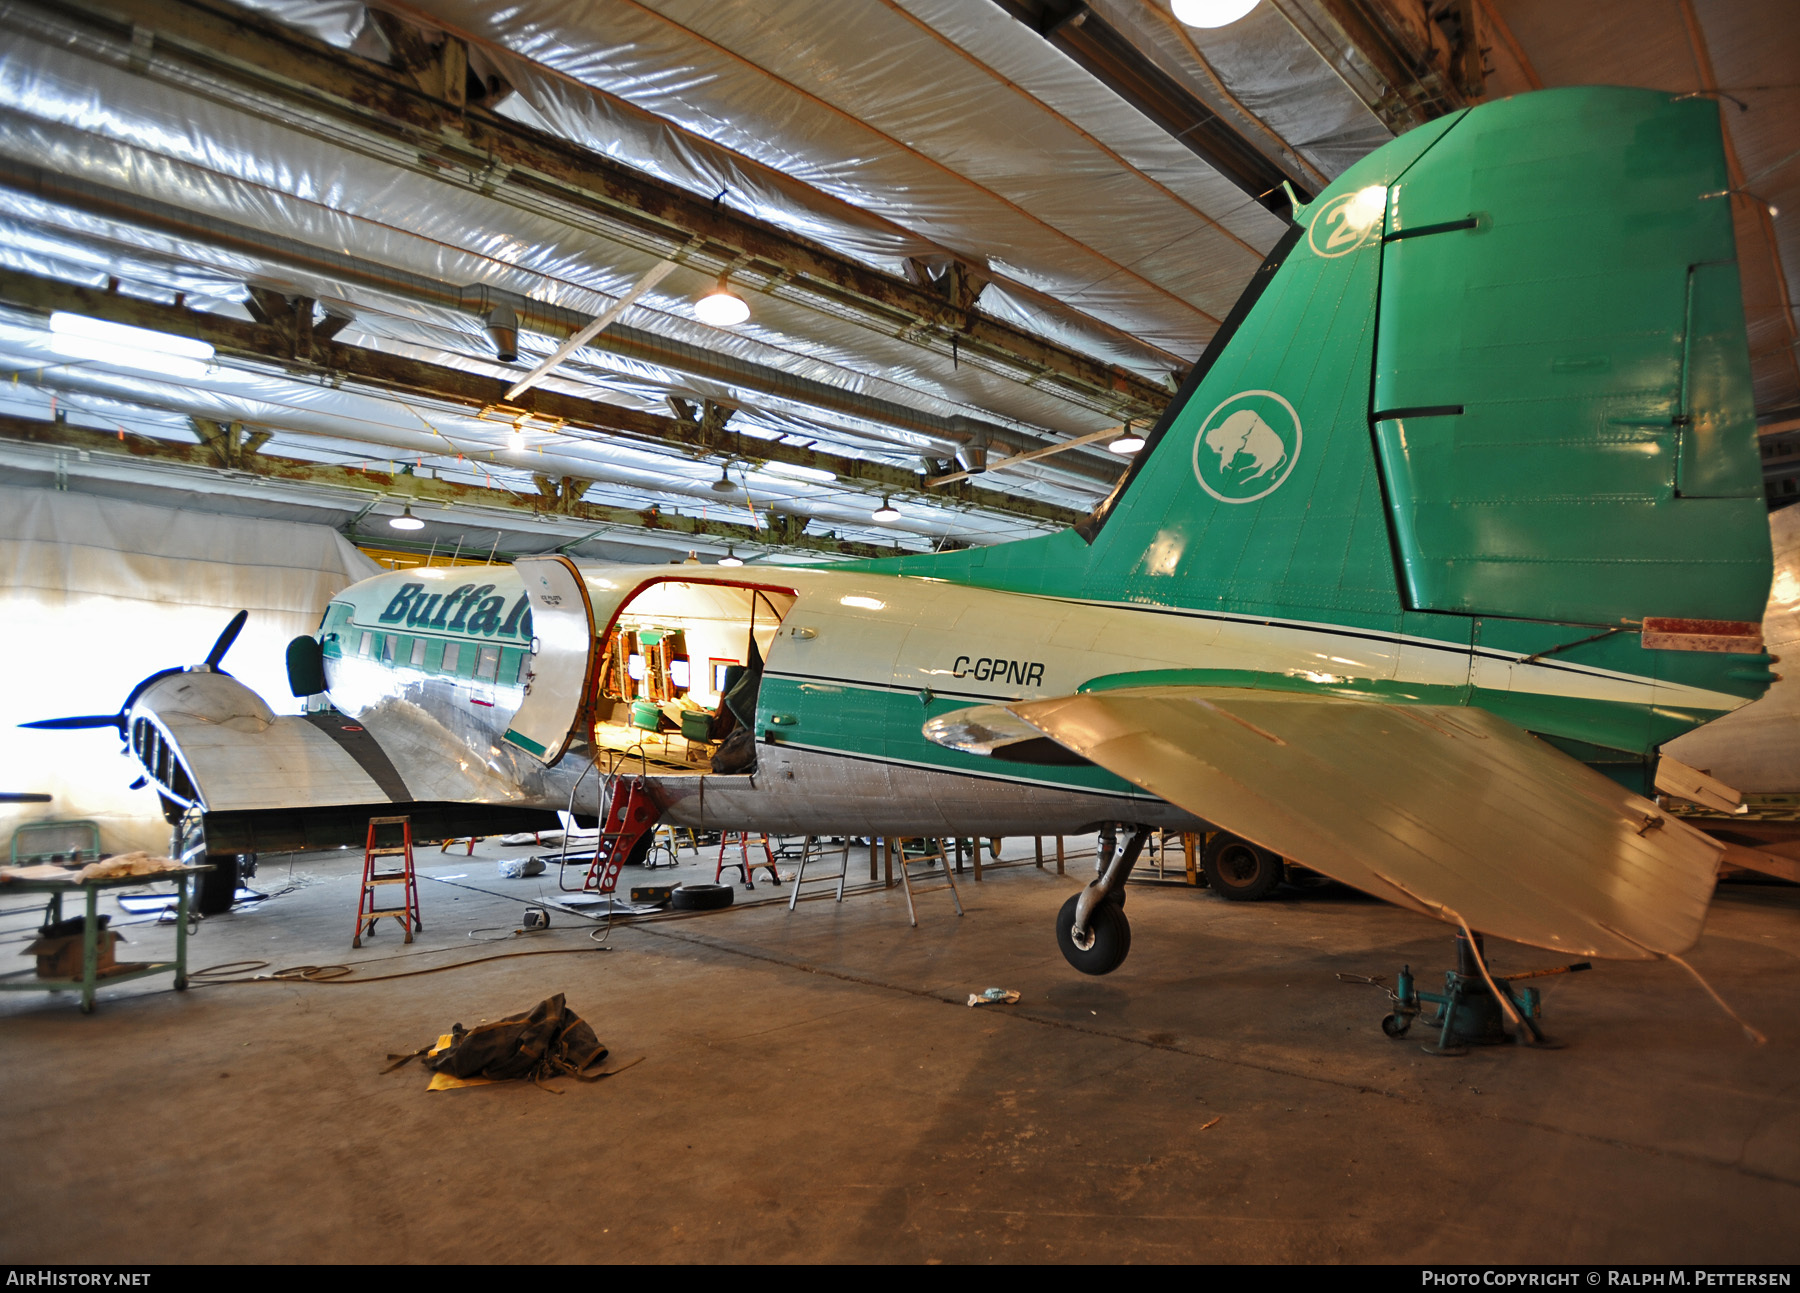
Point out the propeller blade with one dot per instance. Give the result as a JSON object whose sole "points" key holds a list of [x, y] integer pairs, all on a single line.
{"points": [[78, 721], [139, 784], [226, 639]]}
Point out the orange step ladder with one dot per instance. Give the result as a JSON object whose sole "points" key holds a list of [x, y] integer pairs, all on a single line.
{"points": [[630, 816], [367, 913], [744, 865]]}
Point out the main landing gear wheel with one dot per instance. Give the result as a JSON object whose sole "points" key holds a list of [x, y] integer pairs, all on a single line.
{"points": [[1108, 941], [1239, 870], [213, 891]]}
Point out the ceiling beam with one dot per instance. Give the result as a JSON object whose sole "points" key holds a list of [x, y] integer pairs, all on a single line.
{"points": [[1402, 48], [559, 506], [387, 374], [222, 50], [1110, 57], [501, 311]]}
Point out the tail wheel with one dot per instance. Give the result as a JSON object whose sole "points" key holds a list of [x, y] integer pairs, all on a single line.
{"points": [[1108, 940], [1239, 870]]}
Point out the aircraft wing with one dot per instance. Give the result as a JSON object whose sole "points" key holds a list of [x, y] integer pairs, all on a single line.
{"points": [[1445, 810], [292, 761]]}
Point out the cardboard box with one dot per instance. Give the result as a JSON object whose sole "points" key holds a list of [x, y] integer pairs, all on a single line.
{"points": [[60, 957]]}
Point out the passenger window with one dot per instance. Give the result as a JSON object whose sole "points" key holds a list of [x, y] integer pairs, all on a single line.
{"points": [[452, 655], [368, 640], [418, 653], [524, 666], [487, 663]]}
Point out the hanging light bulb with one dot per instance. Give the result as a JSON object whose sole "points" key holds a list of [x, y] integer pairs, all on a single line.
{"points": [[1210, 13], [1126, 445], [887, 512], [723, 485], [406, 520], [721, 307], [516, 440], [731, 557]]}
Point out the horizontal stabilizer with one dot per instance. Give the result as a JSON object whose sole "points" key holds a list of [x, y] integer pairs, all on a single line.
{"points": [[1448, 811]]}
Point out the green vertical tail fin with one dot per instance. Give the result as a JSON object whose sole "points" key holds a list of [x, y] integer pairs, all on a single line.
{"points": [[1497, 369]]}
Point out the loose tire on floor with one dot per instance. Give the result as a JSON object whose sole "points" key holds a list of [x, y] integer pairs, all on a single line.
{"points": [[1239, 870], [1109, 929], [700, 897]]}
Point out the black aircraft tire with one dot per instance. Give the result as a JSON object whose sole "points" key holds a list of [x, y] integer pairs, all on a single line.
{"points": [[1111, 932], [213, 891], [1238, 870], [217, 887], [701, 897]]}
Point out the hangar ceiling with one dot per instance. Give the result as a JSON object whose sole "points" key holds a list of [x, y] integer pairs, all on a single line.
{"points": [[967, 231]]}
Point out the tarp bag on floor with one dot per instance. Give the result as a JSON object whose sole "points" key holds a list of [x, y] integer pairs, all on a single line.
{"points": [[547, 1041]]}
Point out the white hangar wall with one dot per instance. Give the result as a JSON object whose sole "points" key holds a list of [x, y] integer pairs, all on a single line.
{"points": [[100, 592]]}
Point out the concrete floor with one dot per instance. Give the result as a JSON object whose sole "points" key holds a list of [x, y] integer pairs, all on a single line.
{"points": [[815, 1089]]}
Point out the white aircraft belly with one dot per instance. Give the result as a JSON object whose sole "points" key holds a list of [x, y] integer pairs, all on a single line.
{"points": [[810, 792]]}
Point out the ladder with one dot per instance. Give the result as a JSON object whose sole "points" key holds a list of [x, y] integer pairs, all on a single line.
{"points": [[407, 913], [744, 865], [630, 816], [929, 850]]}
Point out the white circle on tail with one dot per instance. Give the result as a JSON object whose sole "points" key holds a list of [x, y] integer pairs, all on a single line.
{"points": [[1347, 221], [1247, 447]]}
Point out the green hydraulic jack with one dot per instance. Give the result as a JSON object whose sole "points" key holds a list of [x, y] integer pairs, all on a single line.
{"points": [[1469, 1014]]}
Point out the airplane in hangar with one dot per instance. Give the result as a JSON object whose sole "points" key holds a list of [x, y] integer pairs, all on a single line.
{"points": [[1456, 521]]}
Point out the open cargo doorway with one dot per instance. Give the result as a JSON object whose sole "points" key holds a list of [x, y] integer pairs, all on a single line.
{"points": [[680, 668]]}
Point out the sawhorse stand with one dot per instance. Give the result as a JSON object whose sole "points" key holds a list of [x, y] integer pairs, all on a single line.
{"points": [[810, 851]]}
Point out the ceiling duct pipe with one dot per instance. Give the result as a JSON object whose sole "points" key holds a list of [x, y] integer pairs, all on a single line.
{"points": [[503, 326], [482, 301]]}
